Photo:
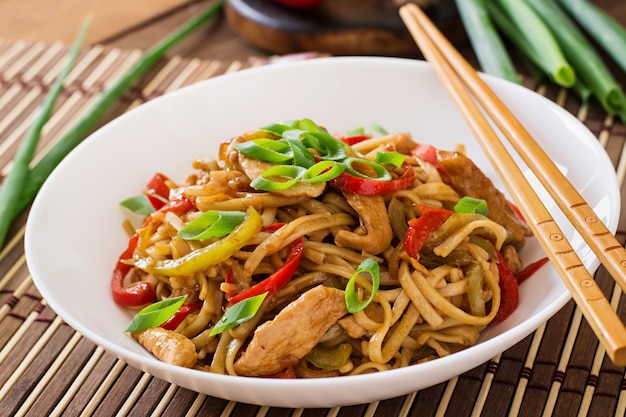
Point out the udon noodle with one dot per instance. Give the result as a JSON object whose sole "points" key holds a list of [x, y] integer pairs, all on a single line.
{"points": [[437, 274]]}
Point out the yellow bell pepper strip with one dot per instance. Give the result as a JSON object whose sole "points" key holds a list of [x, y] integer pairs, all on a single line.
{"points": [[212, 254]]}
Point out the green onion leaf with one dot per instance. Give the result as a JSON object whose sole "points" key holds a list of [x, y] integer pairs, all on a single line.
{"points": [[310, 126], [139, 204], [239, 313], [155, 314], [378, 130], [301, 155], [88, 120], [18, 177], [268, 150], [213, 223], [359, 131], [278, 128], [353, 303], [323, 171], [381, 173], [374, 130], [328, 146], [472, 205], [393, 158], [286, 176]]}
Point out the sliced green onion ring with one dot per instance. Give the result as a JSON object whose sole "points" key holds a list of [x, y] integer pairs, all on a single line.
{"points": [[301, 155], [278, 128], [381, 172], [323, 171], [155, 314], [471, 205], [290, 175], [393, 158], [238, 313], [326, 144], [268, 150], [139, 204], [353, 303], [213, 223]]}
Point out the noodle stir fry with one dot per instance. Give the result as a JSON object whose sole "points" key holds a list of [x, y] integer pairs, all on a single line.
{"points": [[297, 253]]}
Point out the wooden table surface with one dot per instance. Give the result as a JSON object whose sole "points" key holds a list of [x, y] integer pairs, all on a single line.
{"points": [[46, 368]]}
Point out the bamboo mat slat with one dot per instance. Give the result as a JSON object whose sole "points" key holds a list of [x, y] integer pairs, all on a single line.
{"points": [[46, 368]]}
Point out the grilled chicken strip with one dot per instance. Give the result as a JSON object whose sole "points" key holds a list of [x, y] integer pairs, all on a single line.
{"points": [[467, 179], [292, 334]]}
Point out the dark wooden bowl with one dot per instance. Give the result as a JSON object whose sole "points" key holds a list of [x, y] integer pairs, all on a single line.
{"points": [[337, 27]]}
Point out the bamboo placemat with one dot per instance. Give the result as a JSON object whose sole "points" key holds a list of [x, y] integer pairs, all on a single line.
{"points": [[46, 368]]}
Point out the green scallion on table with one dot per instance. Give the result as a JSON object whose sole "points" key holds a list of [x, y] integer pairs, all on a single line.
{"points": [[586, 61], [516, 37], [600, 26], [17, 178], [541, 38], [21, 195], [486, 41]]}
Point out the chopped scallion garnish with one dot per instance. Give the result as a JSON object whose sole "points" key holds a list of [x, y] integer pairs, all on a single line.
{"points": [[213, 223], [238, 313], [472, 205], [353, 303], [393, 158], [155, 314], [379, 172], [278, 177], [267, 150], [139, 204], [323, 171]]}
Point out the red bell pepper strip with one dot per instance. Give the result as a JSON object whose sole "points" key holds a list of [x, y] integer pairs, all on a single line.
{"points": [[158, 192], [181, 314], [140, 293], [352, 140], [529, 270], [137, 294], [422, 227], [509, 290], [428, 153], [278, 279], [352, 184]]}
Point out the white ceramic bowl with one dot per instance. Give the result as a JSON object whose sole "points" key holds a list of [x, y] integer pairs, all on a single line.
{"points": [[73, 235]]}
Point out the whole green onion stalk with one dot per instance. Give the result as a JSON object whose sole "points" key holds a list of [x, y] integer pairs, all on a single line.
{"points": [[88, 120], [18, 176]]}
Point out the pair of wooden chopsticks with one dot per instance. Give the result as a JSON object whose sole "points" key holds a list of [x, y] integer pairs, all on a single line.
{"points": [[458, 77]]}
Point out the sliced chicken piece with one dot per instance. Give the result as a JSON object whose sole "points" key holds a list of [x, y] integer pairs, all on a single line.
{"points": [[168, 346], [467, 179], [292, 334], [375, 229], [404, 143]]}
